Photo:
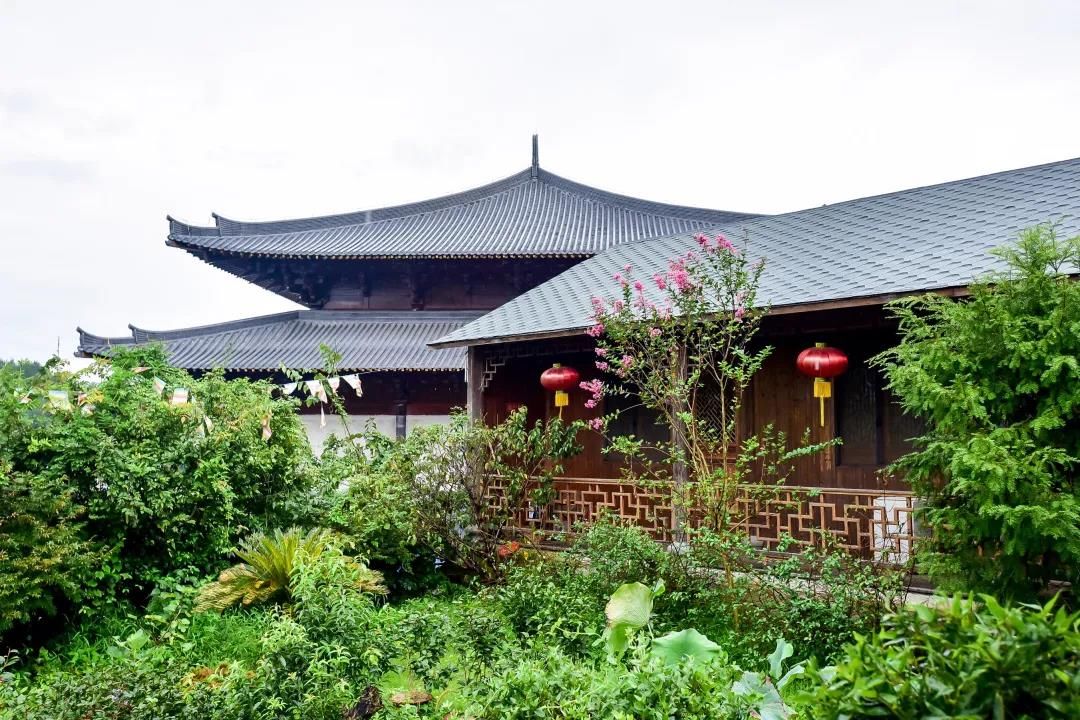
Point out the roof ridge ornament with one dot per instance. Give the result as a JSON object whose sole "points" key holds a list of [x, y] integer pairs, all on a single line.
{"points": [[536, 155]]}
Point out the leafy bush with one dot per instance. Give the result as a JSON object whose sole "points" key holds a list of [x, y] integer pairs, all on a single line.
{"points": [[44, 555], [553, 603], [372, 506], [167, 486], [453, 471], [994, 377], [616, 552], [549, 684], [973, 658], [269, 565]]}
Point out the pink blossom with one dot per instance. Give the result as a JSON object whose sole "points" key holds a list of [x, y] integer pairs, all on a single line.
{"points": [[722, 243], [597, 424], [627, 361], [679, 277], [702, 240], [740, 311], [654, 332], [590, 403], [617, 305], [596, 387], [602, 352], [660, 280], [618, 277], [596, 330], [601, 365], [638, 286], [628, 268]]}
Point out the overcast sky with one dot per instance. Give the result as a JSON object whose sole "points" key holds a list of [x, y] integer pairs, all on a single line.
{"points": [[113, 115]]}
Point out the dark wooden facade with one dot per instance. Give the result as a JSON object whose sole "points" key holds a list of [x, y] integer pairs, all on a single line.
{"points": [[871, 424]]}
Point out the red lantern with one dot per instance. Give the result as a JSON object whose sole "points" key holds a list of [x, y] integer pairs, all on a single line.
{"points": [[821, 363], [560, 379]]}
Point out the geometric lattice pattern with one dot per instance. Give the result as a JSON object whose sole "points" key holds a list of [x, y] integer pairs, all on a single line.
{"points": [[873, 524]]}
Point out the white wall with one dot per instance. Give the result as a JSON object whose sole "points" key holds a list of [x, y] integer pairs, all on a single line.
{"points": [[386, 424]]}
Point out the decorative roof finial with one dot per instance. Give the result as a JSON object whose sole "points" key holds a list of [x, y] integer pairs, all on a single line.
{"points": [[536, 155]]}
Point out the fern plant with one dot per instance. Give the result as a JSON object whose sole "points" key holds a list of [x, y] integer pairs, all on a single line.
{"points": [[269, 561]]}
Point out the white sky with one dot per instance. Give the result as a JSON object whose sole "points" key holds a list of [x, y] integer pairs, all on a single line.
{"points": [[114, 114]]}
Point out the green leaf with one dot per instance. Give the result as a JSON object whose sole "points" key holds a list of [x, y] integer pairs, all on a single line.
{"points": [[629, 609], [674, 647], [630, 605], [783, 651]]}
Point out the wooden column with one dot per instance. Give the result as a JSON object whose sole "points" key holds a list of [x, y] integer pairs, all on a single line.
{"points": [[474, 403]]}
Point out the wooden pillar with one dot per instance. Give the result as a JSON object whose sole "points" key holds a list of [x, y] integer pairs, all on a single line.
{"points": [[401, 410], [474, 404]]}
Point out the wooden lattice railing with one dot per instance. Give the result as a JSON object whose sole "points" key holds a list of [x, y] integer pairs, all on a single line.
{"points": [[871, 523]]}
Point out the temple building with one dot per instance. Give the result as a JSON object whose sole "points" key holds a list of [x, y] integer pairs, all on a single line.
{"points": [[380, 285]]}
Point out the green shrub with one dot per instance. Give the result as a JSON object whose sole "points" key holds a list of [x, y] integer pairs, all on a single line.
{"points": [[168, 487], [974, 658], [549, 684], [994, 377], [616, 551], [553, 602], [44, 555], [372, 506]]}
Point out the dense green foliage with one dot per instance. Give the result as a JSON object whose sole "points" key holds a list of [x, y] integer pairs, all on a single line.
{"points": [[156, 487], [266, 573], [44, 554], [453, 471], [995, 379], [974, 658]]}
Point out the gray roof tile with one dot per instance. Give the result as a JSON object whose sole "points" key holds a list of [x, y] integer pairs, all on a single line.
{"points": [[367, 341], [531, 214], [921, 239]]}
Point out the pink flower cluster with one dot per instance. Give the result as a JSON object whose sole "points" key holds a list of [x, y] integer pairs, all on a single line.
{"points": [[679, 276], [596, 424], [595, 331], [595, 388]]}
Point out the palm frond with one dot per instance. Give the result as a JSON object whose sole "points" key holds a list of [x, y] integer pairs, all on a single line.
{"points": [[265, 575]]}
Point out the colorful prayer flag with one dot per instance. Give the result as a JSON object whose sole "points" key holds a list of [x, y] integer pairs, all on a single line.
{"points": [[179, 397], [159, 385], [288, 388]]}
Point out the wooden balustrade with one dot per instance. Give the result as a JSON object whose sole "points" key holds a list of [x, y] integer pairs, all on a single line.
{"points": [[874, 524]]}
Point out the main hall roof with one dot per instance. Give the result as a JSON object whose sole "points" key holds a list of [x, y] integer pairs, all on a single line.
{"points": [[533, 213]]}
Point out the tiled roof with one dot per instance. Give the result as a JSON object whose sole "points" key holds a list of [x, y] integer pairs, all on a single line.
{"points": [[367, 341], [534, 213], [927, 238]]}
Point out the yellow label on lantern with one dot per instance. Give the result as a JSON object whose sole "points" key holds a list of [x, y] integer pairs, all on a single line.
{"points": [[562, 399], [822, 388]]}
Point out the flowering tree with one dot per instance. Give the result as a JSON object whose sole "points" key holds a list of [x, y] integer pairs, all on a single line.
{"points": [[682, 344]]}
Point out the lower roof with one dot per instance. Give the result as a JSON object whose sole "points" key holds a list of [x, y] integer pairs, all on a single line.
{"points": [[366, 340], [927, 238]]}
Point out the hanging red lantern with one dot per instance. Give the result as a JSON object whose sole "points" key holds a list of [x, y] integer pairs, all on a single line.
{"points": [[822, 363], [560, 379]]}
